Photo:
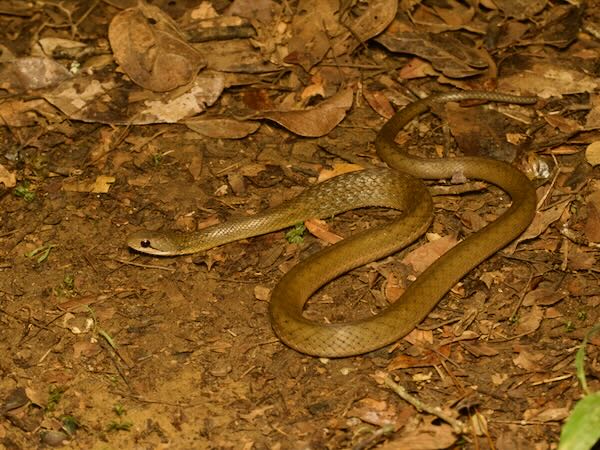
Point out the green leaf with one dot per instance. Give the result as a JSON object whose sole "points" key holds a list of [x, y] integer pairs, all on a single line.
{"points": [[295, 235], [582, 430]]}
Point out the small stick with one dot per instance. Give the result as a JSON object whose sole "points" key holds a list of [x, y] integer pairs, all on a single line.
{"points": [[457, 425]]}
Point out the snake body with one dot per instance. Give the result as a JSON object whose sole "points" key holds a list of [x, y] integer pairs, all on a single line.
{"points": [[398, 188]]}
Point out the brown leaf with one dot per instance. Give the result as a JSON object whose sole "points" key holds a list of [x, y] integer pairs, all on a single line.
{"points": [[592, 153], [429, 359], [28, 73], [520, 9], [379, 102], [7, 178], [544, 296], [423, 256], [320, 229], [592, 222], [378, 15], [101, 185], [530, 321], [151, 50], [547, 78], [375, 412], [529, 361], [338, 169], [546, 415], [91, 100], [317, 121], [445, 53], [425, 437], [540, 223], [222, 128]]}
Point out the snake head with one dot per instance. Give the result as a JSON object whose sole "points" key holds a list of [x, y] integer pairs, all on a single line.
{"points": [[152, 243]]}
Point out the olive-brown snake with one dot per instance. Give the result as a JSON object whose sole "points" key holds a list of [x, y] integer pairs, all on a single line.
{"points": [[398, 188]]}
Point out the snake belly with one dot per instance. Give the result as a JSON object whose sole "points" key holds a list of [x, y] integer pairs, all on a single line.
{"points": [[399, 188]]}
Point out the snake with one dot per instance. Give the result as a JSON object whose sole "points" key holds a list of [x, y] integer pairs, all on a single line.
{"points": [[400, 186]]}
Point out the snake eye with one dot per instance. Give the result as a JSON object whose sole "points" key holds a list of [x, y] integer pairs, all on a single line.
{"points": [[145, 243]]}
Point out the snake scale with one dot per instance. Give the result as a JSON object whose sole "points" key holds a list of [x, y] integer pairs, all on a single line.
{"points": [[399, 187]]}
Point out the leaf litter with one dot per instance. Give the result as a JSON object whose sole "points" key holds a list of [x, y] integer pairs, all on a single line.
{"points": [[122, 115]]}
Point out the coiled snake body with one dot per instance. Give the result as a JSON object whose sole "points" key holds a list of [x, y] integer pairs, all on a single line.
{"points": [[398, 188]]}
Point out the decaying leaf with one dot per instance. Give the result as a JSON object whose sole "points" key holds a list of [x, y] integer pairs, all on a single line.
{"points": [[28, 73], [91, 100], [151, 50]]}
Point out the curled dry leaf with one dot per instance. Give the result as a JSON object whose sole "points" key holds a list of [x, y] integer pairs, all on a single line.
{"points": [[151, 50], [317, 121]]}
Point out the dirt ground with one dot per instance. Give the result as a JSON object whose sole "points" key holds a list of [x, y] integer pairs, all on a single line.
{"points": [[103, 348]]}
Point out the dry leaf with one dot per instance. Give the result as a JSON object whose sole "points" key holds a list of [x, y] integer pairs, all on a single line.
{"points": [[592, 222], [7, 178], [19, 113], [222, 128], [529, 361], [262, 293], [28, 73], [426, 437], [338, 169], [90, 100], [317, 121], [445, 53], [543, 296], [423, 256], [101, 185], [592, 153], [520, 10], [430, 358], [547, 79], [375, 412], [541, 221], [376, 18], [546, 415], [151, 50], [379, 102], [319, 228], [530, 321]]}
